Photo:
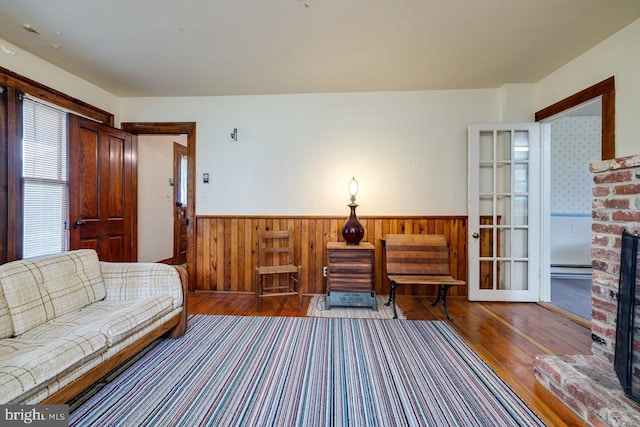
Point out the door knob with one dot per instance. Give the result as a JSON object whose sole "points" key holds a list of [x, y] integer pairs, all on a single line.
{"points": [[78, 223], [475, 235]]}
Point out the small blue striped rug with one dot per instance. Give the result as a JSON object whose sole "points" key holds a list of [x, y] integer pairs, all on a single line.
{"points": [[278, 371], [318, 309]]}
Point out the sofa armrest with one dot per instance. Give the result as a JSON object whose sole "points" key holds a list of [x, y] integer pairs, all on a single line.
{"points": [[130, 281], [181, 328]]}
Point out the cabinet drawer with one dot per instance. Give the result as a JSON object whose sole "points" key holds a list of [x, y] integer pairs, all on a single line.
{"points": [[337, 256], [346, 283], [350, 267]]}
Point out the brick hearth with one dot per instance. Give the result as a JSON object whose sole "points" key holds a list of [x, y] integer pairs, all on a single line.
{"points": [[588, 383]]}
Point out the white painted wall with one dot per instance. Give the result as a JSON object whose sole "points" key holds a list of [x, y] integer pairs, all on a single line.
{"points": [[295, 154], [155, 197], [618, 56], [570, 240], [517, 103], [31, 66]]}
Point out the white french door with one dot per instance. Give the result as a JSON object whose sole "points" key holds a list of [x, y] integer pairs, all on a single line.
{"points": [[504, 212]]}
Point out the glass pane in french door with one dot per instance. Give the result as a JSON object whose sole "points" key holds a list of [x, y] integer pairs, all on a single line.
{"points": [[503, 208]]}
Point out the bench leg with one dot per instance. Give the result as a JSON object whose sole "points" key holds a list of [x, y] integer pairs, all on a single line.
{"points": [[442, 297], [392, 297]]}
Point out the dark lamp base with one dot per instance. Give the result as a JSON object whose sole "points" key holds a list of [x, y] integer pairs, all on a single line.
{"points": [[352, 230]]}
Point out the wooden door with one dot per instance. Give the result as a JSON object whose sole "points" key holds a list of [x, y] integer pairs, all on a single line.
{"points": [[180, 221], [102, 193]]}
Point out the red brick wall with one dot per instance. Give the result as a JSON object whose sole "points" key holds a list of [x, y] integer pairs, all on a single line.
{"points": [[588, 383], [616, 207]]}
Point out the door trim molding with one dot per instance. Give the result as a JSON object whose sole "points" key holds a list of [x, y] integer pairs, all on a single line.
{"points": [[178, 128], [606, 89]]}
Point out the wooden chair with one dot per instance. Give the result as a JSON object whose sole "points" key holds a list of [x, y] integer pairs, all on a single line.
{"points": [[419, 259], [276, 275]]}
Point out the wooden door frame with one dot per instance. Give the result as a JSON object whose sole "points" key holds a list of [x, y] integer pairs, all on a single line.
{"points": [[607, 90], [177, 128]]}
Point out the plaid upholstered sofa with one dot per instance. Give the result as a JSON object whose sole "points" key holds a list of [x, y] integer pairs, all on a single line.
{"points": [[68, 319]]}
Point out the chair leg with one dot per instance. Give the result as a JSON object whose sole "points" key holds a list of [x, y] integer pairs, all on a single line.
{"points": [[392, 298], [442, 297], [258, 285], [297, 287]]}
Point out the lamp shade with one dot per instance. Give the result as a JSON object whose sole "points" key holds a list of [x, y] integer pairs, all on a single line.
{"points": [[353, 189]]}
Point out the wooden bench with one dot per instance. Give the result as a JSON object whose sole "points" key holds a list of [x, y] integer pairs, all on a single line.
{"points": [[419, 259]]}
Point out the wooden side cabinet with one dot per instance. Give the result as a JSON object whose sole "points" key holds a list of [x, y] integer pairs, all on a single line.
{"points": [[350, 275]]}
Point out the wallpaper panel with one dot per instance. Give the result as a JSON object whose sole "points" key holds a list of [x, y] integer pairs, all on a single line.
{"points": [[575, 142]]}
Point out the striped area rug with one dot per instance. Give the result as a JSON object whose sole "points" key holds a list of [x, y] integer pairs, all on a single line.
{"points": [[277, 371]]}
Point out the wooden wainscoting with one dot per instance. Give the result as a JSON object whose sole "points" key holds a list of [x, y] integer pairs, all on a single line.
{"points": [[226, 248]]}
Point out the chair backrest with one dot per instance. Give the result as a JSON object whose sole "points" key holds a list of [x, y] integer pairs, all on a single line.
{"points": [[275, 248], [418, 254]]}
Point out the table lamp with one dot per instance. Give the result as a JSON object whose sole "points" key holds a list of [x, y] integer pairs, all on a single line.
{"points": [[352, 230]]}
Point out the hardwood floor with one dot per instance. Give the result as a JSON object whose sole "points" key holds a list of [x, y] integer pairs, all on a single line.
{"points": [[506, 335]]}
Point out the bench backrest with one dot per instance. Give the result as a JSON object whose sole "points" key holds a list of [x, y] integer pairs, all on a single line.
{"points": [[418, 254]]}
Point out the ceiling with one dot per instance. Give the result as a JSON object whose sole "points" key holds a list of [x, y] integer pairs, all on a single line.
{"points": [[233, 47]]}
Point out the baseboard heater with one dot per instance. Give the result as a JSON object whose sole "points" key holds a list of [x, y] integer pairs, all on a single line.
{"points": [[570, 266]]}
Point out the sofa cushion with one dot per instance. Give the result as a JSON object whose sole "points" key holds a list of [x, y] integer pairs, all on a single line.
{"points": [[11, 346], [28, 369], [44, 288], [129, 281], [115, 319], [140, 314]]}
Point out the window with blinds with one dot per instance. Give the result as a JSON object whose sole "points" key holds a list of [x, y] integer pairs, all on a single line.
{"points": [[44, 179]]}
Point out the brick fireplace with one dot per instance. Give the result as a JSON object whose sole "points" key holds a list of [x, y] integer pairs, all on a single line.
{"points": [[588, 383]]}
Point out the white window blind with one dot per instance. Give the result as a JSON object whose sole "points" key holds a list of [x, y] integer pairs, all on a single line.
{"points": [[44, 179]]}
